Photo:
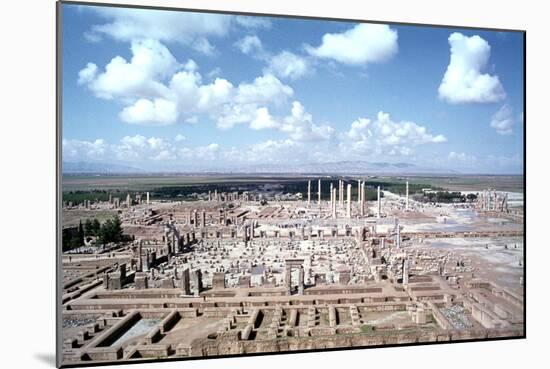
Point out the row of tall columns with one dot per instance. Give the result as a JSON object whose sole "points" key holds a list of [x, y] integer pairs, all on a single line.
{"points": [[337, 197]]}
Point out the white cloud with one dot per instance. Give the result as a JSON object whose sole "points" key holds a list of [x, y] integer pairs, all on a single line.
{"points": [[263, 120], [285, 64], [204, 46], [364, 43], [180, 138], [252, 21], [502, 121], [192, 120], [143, 111], [87, 74], [187, 28], [464, 80], [84, 150], [151, 61], [157, 90], [214, 72], [384, 136], [461, 157], [250, 45], [300, 126], [247, 98], [264, 89], [289, 65], [207, 152], [164, 155]]}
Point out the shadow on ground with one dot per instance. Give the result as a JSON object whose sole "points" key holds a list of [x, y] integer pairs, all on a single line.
{"points": [[46, 358]]}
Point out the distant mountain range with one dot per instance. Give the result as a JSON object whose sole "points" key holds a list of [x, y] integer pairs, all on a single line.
{"points": [[97, 168], [340, 167]]}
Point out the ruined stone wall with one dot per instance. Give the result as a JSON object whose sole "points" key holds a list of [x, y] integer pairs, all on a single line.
{"points": [[212, 347]]}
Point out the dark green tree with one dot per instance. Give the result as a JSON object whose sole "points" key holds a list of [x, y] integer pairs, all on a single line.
{"points": [[88, 228], [96, 226], [111, 231]]}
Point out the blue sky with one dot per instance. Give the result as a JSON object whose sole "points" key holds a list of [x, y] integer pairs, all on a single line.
{"points": [[163, 90]]}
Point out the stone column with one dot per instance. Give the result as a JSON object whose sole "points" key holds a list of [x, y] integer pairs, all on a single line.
{"points": [[362, 206], [288, 279], [341, 194], [334, 203], [203, 222], [148, 198], [398, 235], [301, 280], [185, 285], [406, 271], [378, 213], [359, 193], [348, 213], [197, 281]]}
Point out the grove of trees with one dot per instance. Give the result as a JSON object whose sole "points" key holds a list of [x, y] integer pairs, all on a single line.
{"points": [[109, 231]]}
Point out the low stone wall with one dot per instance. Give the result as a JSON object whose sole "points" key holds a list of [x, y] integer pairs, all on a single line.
{"points": [[208, 347]]}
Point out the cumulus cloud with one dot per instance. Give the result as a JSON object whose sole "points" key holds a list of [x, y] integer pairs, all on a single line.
{"points": [[289, 65], [503, 121], [248, 21], [263, 120], [461, 157], [247, 98], [84, 150], [362, 44], [207, 152], [158, 111], [385, 136], [464, 80], [140, 77], [187, 28], [87, 74], [285, 64], [298, 124], [137, 148], [156, 89], [250, 44]]}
